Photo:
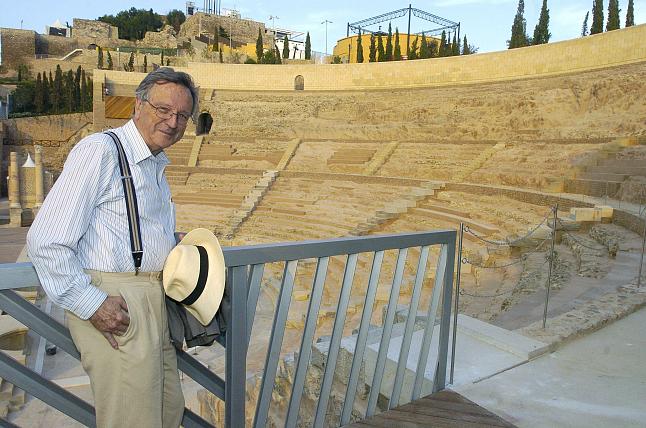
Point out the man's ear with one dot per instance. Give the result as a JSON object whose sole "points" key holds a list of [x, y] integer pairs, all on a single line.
{"points": [[138, 106]]}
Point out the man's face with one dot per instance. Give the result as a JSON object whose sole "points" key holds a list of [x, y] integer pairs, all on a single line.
{"points": [[159, 133]]}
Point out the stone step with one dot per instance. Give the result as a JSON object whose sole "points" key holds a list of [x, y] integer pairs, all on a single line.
{"points": [[617, 170], [479, 227], [592, 187], [602, 176], [623, 163]]}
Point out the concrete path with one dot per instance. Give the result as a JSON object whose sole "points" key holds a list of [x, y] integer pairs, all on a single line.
{"points": [[596, 381]]}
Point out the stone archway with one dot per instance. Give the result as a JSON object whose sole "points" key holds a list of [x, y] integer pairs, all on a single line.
{"points": [[299, 83], [204, 123]]}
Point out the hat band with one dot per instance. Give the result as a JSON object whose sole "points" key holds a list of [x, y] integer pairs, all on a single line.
{"points": [[201, 280]]}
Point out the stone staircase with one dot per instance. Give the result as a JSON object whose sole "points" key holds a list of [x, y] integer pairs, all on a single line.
{"points": [[176, 178], [252, 200], [180, 152], [615, 166], [12, 398], [380, 158], [289, 154], [395, 208], [479, 161]]}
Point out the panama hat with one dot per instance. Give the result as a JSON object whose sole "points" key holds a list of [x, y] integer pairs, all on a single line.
{"points": [[194, 274]]}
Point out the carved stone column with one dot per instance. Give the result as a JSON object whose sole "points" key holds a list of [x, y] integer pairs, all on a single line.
{"points": [[15, 208]]}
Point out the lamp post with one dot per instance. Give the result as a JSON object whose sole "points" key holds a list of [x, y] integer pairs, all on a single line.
{"points": [[273, 19], [326, 22]]}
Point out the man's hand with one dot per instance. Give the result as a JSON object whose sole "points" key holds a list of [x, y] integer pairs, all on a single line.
{"points": [[112, 318]]}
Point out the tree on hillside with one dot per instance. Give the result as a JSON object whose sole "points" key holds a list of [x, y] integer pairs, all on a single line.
{"points": [[389, 44], [423, 48], [145, 63], [130, 66], [99, 58], [465, 46], [518, 28], [542, 31], [455, 46], [110, 64], [57, 91], [613, 15], [84, 94], [442, 52], [630, 14], [46, 93], [397, 54], [175, 18], [286, 47], [134, 23], [308, 47], [77, 89], [68, 92], [39, 102], [412, 52], [359, 48], [259, 47], [597, 17], [372, 55], [277, 54], [433, 48], [90, 92], [381, 52], [161, 59], [584, 29]]}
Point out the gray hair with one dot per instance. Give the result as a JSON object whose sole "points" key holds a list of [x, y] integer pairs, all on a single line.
{"points": [[164, 75]]}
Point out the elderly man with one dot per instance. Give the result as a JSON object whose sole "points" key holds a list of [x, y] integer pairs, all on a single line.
{"points": [[81, 249]]}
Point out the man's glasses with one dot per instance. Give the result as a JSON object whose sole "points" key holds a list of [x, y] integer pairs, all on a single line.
{"points": [[166, 113]]}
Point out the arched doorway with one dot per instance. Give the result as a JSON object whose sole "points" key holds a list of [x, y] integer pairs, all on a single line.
{"points": [[299, 83], [204, 122]]}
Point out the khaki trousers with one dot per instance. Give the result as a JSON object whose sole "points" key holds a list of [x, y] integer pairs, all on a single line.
{"points": [[138, 384]]}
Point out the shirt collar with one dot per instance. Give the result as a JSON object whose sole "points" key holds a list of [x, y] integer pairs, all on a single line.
{"points": [[138, 148]]}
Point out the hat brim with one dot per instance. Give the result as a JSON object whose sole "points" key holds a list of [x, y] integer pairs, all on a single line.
{"points": [[206, 306]]}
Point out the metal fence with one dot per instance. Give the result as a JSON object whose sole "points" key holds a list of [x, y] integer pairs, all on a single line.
{"points": [[246, 266]]}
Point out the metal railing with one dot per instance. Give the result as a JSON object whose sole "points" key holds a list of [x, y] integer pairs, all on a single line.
{"points": [[246, 266]]}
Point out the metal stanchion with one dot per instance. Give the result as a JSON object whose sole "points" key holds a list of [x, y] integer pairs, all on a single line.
{"points": [[457, 299], [549, 275]]}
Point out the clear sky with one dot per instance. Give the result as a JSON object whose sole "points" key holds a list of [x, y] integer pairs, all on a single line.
{"points": [[487, 23]]}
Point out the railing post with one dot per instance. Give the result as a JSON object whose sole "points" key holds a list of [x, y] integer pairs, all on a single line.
{"points": [[236, 349], [445, 323], [457, 301]]}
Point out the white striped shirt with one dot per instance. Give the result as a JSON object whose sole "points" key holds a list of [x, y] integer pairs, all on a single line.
{"points": [[83, 222]]}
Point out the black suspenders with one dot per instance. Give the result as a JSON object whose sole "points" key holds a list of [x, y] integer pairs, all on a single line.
{"points": [[131, 203]]}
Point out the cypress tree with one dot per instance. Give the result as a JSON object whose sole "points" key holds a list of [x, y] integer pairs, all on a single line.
{"points": [[397, 55], [455, 46], [381, 53], [68, 92], [613, 15], [359, 48], [432, 48], [90, 91], [630, 14], [542, 31], [259, 48], [389, 44], [38, 95], [584, 29], [162, 57], [77, 90], [221, 59], [286, 47], [110, 64], [518, 28], [442, 50], [423, 49], [46, 92], [412, 53], [99, 60], [57, 92], [84, 97], [465, 46], [308, 47], [597, 17], [277, 55], [145, 63], [131, 62], [372, 56]]}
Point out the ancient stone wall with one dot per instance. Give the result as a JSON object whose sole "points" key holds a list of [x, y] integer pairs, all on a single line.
{"points": [[55, 46], [18, 47], [87, 28], [241, 30], [613, 48], [166, 38]]}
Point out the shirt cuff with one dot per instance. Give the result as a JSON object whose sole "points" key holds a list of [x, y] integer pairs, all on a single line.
{"points": [[90, 300]]}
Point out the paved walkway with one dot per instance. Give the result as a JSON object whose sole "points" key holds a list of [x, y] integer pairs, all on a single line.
{"points": [[596, 381]]}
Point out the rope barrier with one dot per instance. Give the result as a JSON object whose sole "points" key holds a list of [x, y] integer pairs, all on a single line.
{"points": [[507, 242], [581, 243], [521, 259], [511, 290]]}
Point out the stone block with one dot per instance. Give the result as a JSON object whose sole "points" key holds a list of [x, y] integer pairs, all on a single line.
{"points": [[606, 211], [585, 214]]}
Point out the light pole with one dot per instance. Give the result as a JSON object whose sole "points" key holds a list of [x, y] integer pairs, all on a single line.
{"points": [[326, 22], [273, 19]]}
